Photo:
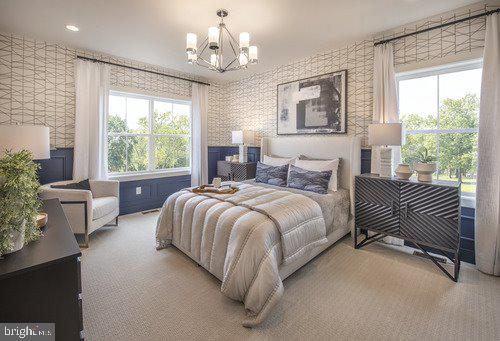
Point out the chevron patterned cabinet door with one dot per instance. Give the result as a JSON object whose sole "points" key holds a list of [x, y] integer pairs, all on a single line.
{"points": [[430, 214], [376, 205]]}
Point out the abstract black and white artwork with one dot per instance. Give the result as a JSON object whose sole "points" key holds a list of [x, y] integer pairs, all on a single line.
{"points": [[315, 105]]}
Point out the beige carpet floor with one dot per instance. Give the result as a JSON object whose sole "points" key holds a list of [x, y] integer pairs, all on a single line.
{"points": [[133, 292]]}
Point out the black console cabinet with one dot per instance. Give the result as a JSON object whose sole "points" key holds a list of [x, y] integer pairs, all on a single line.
{"points": [[426, 214], [41, 282]]}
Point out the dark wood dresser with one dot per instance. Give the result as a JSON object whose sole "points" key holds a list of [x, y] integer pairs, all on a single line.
{"points": [[425, 214], [42, 282]]}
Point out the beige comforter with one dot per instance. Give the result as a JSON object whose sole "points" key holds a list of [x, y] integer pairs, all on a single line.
{"points": [[237, 237]]}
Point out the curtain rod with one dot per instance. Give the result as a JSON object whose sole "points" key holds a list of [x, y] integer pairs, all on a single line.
{"points": [[139, 69], [438, 26]]}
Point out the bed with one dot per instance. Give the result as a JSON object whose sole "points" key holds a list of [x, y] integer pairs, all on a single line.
{"points": [[254, 239]]}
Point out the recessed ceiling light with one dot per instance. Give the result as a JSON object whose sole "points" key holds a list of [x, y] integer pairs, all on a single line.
{"points": [[72, 28]]}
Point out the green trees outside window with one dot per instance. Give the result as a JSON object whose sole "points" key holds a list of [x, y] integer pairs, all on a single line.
{"points": [[149, 136]]}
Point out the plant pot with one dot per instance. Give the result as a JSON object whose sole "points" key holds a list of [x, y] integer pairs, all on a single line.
{"points": [[424, 171], [403, 171], [17, 239]]}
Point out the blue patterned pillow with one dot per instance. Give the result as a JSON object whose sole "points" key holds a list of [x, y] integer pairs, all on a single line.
{"points": [[272, 175], [307, 180]]}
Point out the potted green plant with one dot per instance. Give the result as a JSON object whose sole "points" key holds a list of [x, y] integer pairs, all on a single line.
{"points": [[19, 201], [425, 165]]}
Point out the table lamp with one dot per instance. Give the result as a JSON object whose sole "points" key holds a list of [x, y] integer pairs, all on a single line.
{"points": [[242, 138], [385, 135], [34, 139]]}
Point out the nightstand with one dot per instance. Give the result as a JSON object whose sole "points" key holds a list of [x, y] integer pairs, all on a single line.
{"points": [[236, 171], [426, 214]]}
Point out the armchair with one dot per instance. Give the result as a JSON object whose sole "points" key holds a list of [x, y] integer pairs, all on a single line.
{"points": [[87, 210]]}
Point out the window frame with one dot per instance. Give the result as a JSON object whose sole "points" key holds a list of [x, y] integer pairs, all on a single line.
{"points": [[151, 171], [467, 197]]}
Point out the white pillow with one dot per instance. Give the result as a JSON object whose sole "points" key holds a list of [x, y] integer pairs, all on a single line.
{"points": [[321, 166], [277, 161]]}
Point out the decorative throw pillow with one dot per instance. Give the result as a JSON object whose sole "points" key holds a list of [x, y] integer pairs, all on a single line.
{"points": [[272, 175], [307, 180], [321, 166], [81, 185], [277, 161]]}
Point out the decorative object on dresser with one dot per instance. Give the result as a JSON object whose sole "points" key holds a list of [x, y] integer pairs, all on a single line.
{"points": [[386, 135], [42, 282], [425, 166], [86, 209], [426, 214], [242, 138], [315, 105], [236, 171], [19, 203], [403, 171]]}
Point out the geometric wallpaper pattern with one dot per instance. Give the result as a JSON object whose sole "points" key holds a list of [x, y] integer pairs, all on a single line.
{"points": [[37, 84], [250, 103], [37, 79]]}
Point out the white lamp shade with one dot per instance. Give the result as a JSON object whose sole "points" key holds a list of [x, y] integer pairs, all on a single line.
{"points": [[34, 139], [242, 137], [191, 41], [244, 40], [385, 134]]}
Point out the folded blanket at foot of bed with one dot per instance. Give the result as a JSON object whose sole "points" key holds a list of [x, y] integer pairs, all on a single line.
{"points": [[243, 238]]}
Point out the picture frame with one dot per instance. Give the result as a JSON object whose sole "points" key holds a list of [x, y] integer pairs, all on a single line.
{"points": [[313, 105]]}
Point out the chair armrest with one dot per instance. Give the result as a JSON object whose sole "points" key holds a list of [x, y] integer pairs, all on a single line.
{"points": [[105, 188], [66, 194]]}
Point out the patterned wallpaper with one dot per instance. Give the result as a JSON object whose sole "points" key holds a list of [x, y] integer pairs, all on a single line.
{"points": [[37, 84], [251, 103]]}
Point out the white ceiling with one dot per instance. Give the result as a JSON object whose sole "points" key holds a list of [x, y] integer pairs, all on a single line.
{"points": [[154, 31]]}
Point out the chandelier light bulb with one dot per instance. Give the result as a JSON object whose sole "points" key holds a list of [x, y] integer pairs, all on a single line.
{"points": [[192, 58], [253, 55], [244, 41], [214, 60], [243, 59], [191, 42], [213, 37]]}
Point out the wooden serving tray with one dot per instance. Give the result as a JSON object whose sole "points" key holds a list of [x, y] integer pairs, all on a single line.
{"points": [[210, 189]]}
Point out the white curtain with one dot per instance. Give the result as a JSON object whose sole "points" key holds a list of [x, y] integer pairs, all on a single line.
{"points": [[488, 171], [385, 100], [385, 106], [199, 134], [92, 91]]}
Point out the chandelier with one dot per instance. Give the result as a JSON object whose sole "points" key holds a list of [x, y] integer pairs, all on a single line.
{"points": [[210, 54]]}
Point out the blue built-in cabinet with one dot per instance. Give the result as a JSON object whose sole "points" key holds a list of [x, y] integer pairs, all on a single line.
{"points": [[153, 192]]}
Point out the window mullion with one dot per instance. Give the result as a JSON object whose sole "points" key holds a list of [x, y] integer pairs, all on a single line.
{"points": [[151, 142], [438, 127]]}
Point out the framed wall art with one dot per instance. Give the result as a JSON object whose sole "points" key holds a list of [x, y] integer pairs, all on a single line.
{"points": [[315, 105]]}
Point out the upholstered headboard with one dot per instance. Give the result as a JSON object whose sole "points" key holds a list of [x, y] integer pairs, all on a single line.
{"points": [[347, 148]]}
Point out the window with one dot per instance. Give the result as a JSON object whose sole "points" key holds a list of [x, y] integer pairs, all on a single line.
{"points": [[148, 134], [440, 112]]}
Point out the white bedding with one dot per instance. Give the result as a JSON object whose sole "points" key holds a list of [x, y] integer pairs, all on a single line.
{"points": [[244, 238]]}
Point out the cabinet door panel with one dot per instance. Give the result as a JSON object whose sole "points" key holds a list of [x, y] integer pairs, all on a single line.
{"points": [[430, 214], [375, 217], [377, 205], [377, 191]]}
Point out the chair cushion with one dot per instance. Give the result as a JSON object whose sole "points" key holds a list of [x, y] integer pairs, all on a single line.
{"points": [[103, 206]]}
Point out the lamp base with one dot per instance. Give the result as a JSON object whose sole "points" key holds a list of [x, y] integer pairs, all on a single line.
{"points": [[385, 162], [243, 153]]}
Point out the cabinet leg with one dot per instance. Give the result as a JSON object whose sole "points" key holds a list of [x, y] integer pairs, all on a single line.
{"points": [[355, 239]]}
